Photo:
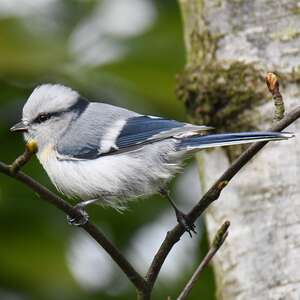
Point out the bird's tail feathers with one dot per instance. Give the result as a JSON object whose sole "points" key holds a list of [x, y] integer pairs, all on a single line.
{"points": [[195, 143]]}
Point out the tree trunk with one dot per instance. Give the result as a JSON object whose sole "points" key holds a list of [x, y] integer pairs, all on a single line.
{"points": [[231, 45]]}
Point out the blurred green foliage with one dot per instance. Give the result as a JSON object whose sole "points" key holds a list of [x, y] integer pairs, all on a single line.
{"points": [[34, 236]]}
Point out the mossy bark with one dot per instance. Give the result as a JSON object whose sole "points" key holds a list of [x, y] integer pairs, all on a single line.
{"points": [[231, 45]]}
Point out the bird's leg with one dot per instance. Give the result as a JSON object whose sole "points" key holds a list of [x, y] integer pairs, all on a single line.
{"points": [[180, 216], [85, 217]]}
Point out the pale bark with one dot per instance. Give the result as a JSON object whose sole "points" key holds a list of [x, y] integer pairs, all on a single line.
{"points": [[261, 258]]}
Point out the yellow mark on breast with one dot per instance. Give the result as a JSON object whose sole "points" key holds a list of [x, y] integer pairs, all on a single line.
{"points": [[46, 152]]}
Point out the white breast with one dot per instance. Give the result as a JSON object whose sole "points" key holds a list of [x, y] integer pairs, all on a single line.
{"points": [[119, 177]]}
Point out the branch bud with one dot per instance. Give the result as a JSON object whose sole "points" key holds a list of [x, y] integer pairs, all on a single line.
{"points": [[272, 83]]}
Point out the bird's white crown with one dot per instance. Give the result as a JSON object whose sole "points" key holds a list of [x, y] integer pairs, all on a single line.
{"points": [[49, 98]]}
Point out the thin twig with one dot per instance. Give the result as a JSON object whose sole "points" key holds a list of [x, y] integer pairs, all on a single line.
{"points": [[30, 149], [138, 281], [273, 86], [218, 241], [174, 235]]}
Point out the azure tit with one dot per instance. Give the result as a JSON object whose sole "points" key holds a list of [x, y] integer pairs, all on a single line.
{"points": [[100, 153]]}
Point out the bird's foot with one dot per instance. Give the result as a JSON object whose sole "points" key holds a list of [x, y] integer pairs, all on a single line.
{"points": [[83, 219], [185, 223]]}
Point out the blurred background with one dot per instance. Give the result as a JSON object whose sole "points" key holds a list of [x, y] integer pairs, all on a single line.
{"points": [[123, 52]]}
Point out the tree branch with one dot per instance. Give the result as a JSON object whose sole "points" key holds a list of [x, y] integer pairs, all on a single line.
{"points": [[138, 281], [217, 243], [30, 149], [174, 235]]}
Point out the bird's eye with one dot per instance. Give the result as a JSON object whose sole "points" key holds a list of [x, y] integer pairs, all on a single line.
{"points": [[42, 118]]}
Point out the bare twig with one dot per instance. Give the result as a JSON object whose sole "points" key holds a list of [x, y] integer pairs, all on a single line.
{"points": [[138, 281], [218, 241], [174, 235], [30, 149], [273, 86]]}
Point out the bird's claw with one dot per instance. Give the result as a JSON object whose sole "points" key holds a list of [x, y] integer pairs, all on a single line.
{"points": [[79, 221], [184, 222]]}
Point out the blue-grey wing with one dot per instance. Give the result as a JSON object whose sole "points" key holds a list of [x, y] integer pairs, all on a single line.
{"points": [[140, 129], [147, 129], [90, 139], [87, 132]]}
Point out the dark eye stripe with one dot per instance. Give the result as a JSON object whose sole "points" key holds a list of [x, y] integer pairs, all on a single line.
{"points": [[79, 107], [42, 118]]}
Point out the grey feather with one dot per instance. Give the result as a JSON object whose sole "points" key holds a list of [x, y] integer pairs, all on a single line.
{"points": [[195, 143]]}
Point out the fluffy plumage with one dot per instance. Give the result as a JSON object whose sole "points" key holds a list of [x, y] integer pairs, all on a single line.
{"points": [[99, 151]]}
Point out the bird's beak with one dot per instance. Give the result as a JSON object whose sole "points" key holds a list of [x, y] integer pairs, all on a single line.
{"points": [[21, 126]]}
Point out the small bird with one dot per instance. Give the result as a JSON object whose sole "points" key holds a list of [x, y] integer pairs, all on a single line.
{"points": [[100, 153]]}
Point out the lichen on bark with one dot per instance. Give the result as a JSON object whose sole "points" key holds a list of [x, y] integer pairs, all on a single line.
{"points": [[220, 95], [223, 95]]}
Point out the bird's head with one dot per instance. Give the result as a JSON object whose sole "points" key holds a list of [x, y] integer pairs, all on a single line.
{"points": [[48, 112]]}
